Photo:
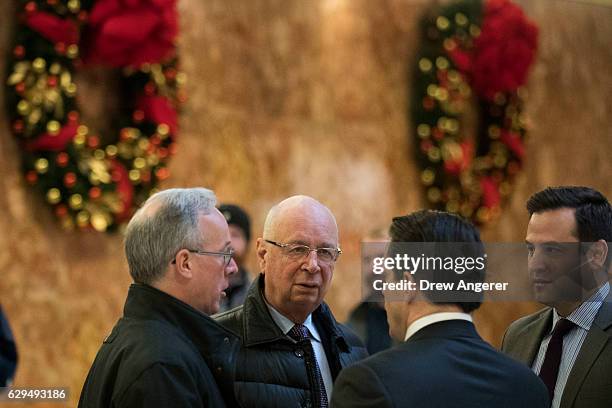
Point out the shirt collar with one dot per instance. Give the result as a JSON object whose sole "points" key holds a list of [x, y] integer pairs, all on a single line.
{"points": [[424, 321], [285, 324], [584, 315]]}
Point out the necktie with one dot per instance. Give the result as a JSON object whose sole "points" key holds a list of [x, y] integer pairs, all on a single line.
{"points": [[300, 333], [552, 358]]}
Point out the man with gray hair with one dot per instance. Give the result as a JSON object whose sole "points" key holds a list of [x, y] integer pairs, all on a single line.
{"points": [[164, 350], [292, 347]]}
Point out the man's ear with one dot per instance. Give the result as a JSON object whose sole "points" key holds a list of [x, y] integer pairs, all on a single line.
{"points": [[261, 254], [183, 265], [597, 253]]}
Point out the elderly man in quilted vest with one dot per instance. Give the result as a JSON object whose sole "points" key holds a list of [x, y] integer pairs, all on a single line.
{"points": [[292, 348]]}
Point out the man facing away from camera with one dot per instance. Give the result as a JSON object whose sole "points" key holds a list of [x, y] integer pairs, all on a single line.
{"points": [[292, 348], [442, 361], [568, 343], [164, 350]]}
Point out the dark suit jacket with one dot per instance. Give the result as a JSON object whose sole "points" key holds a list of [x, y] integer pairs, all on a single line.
{"points": [[445, 364], [589, 384]]}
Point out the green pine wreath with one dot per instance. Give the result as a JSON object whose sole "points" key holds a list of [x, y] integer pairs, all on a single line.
{"points": [[467, 104], [94, 181]]}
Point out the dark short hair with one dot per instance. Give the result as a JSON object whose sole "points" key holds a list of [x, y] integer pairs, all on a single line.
{"points": [[235, 215], [440, 226], [593, 210]]}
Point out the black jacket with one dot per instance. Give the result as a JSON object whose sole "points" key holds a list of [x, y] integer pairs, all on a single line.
{"points": [[8, 352], [161, 353], [270, 370], [443, 365]]}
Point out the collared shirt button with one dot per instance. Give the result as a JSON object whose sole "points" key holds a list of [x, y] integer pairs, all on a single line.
{"points": [[226, 340], [299, 353]]}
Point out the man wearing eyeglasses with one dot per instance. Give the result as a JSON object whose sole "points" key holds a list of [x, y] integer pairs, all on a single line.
{"points": [[165, 349], [292, 347]]}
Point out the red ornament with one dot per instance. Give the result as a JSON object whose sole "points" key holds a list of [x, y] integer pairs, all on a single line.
{"points": [[426, 145], [155, 140], [61, 210], [428, 103], [70, 179], [170, 74], [19, 51], [149, 89], [31, 177], [18, 126], [162, 173], [60, 48], [62, 159], [162, 152], [124, 134], [95, 193], [138, 116], [73, 116], [93, 141], [145, 176], [52, 81], [30, 7], [83, 16]]}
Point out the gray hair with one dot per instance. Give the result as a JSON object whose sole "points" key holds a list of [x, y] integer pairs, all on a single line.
{"points": [[165, 224]]}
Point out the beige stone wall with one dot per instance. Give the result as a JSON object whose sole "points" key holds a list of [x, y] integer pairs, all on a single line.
{"points": [[296, 97]]}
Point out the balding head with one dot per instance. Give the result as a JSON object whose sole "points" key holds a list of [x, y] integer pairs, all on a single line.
{"points": [[296, 283], [298, 206]]}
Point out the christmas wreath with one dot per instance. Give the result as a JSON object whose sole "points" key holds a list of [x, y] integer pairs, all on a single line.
{"points": [[95, 181], [468, 104]]}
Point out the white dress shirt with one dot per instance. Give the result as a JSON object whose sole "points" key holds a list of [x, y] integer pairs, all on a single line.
{"points": [[425, 321], [583, 318], [285, 325]]}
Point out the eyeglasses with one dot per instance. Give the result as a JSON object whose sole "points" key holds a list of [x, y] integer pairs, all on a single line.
{"points": [[299, 251], [227, 256]]}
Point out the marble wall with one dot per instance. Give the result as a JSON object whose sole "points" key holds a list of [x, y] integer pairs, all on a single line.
{"points": [[294, 97]]}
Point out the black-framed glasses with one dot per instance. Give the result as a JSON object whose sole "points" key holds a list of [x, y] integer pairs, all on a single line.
{"points": [[227, 256], [300, 251]]}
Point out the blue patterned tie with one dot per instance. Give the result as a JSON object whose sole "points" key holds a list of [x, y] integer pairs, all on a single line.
{"points": [[300, 333]]}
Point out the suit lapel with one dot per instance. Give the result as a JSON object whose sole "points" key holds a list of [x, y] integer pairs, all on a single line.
{"points": [[593, 344], [530, 337]]}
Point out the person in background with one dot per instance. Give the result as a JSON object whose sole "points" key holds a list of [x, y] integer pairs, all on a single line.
{"points": [[240, 233], [8, 352], [369, 318]]}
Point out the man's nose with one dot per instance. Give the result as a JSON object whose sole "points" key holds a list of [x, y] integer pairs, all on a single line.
{"points": [[537, 260], [311, 263], [232, 267]]}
